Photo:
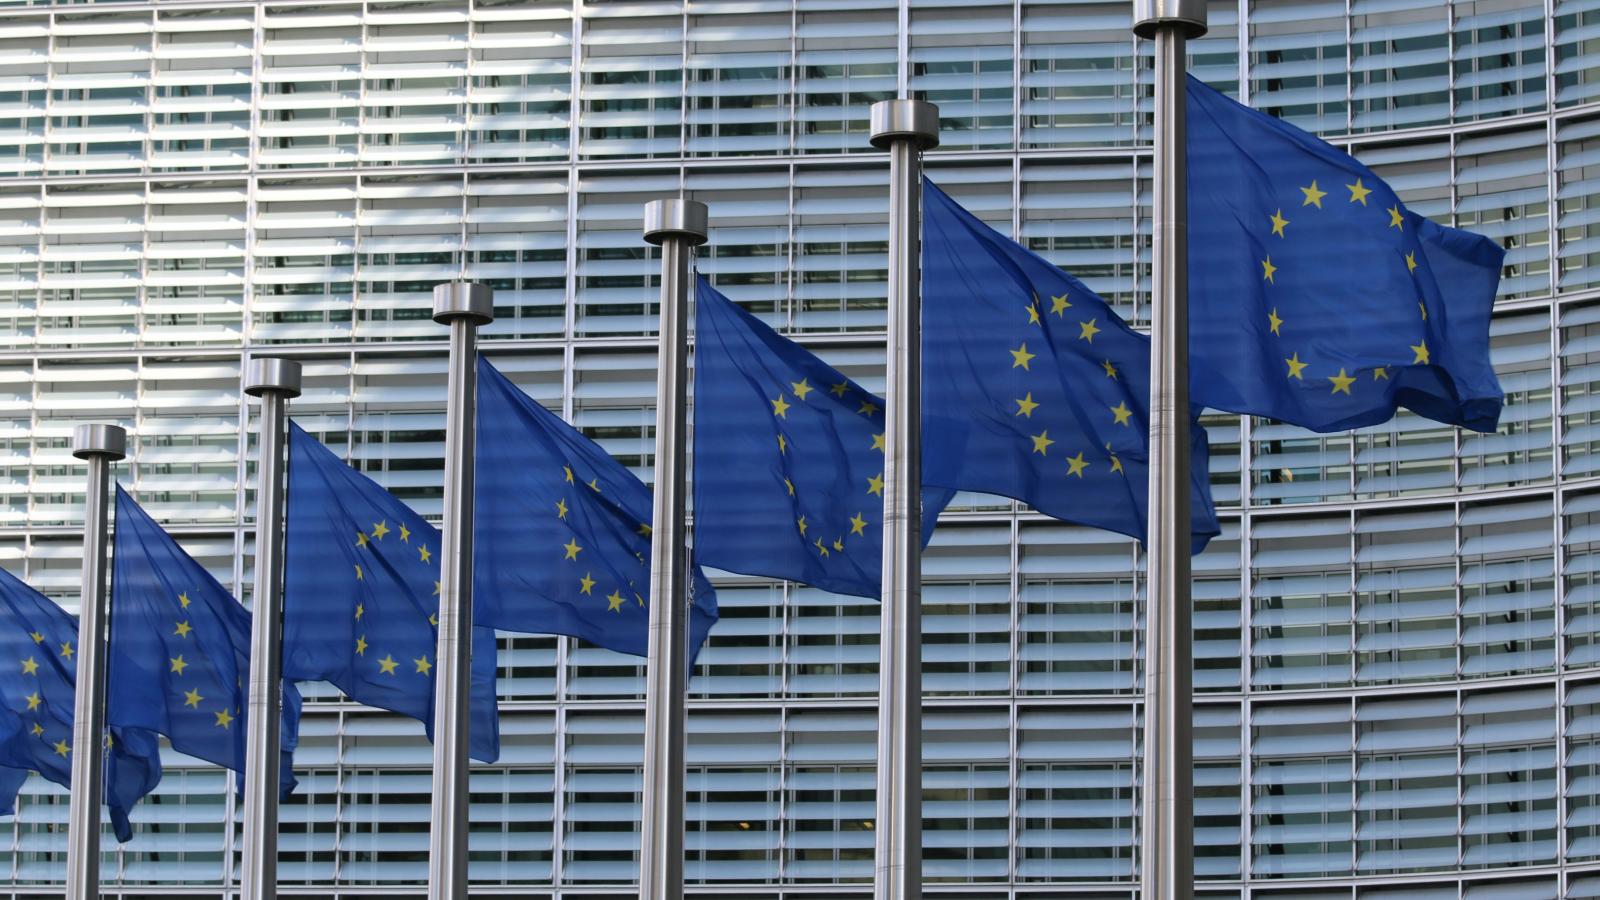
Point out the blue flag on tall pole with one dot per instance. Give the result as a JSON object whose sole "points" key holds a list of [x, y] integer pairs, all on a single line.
{"points": [[788, 457], [361, 595], [1033, 388], [179, 649], [38, 672], [1315, 297], [562, 530]]}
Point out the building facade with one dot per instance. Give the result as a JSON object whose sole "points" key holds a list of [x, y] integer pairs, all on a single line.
{"points": [[1397, 634]]}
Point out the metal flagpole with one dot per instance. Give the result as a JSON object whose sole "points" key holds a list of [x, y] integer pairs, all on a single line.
{"points": [[676, 226], [462, 306], [1167, 823], [100, 446], [905, 128], [276, 382]]}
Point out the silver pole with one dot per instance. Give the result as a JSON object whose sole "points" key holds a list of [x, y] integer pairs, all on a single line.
{"points": [[462, 306], [276, 382], [675, 225], [905, 128], [100, 446], [1167, 821]]}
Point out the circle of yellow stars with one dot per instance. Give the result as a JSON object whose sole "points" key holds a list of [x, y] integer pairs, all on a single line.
{"points": [[845, 394], [1022, 357], [368, 539]]}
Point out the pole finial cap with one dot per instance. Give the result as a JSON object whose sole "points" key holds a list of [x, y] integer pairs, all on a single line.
{"points": [[109, 441], [272, 375], [463, 300], [899, 120], [1150, 15], [675, 217]]}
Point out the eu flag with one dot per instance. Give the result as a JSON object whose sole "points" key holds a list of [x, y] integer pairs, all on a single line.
{"points": [[1034, 388], [10, 783], [1315, 297], [38, 673], [788, 457], [179, 650], [361, 596], [563, 530]]}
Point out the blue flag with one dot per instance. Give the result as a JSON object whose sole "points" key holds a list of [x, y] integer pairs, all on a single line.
{"points": [[563, 530], [38, 672], [1033, 388], [1315, 297], [361, 596], [179, 650], [10, 783], [788, 457]]}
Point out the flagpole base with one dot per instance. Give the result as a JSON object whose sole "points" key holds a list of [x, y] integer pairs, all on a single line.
{"points": [[1150, 15], [109, 441]]}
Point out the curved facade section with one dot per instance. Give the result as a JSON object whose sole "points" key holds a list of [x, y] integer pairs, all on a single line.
{"points": [[1397, 635]]}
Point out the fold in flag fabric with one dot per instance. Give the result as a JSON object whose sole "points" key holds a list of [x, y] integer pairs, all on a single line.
{"points": [[361, 596], [1315, 297], [1033, 388], [178, 656], [788, 458], [38, 673], [562, 544]]}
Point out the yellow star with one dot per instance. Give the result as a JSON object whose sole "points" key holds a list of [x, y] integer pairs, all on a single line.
{"points": [[37, 729], [37, 637], [361, 539], [838, 544], [359, 576], [840, 389], [644, 530], [1020, 357], [1041, 441], [1274, 321], [424, 553], [178, 665], [1424, 310], [192, 698], [1033, 313], [360, 611], [878, 442], [561, 508], [66, 649], [33, 701], [380, 529], [1087, 331], [1421, 350], [594, 484], [1026, 406], [586, 584], [1122, 413], [1278, 223], [868, 408], [1341, 382], [1358, 192], [783, 444], [1381, 373], [361, 645], [875, 484], [638, 597], [423, 666], [568, 471], [224, 718], [30, 667], [61, 748], [790, 485], [405, 533], [572, 548], [433, 619], [1395, 219], [436, 586], [1076, 464], [780, 407], [1111, 370], [1313, 196], [183, 600], [802, 523], [801, 388], [858, 525], [614, 602], [1411, 261], [1296, 367], [386, 666], [183, 630], [821, 548], [1268, 270], [1059, 305]]}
